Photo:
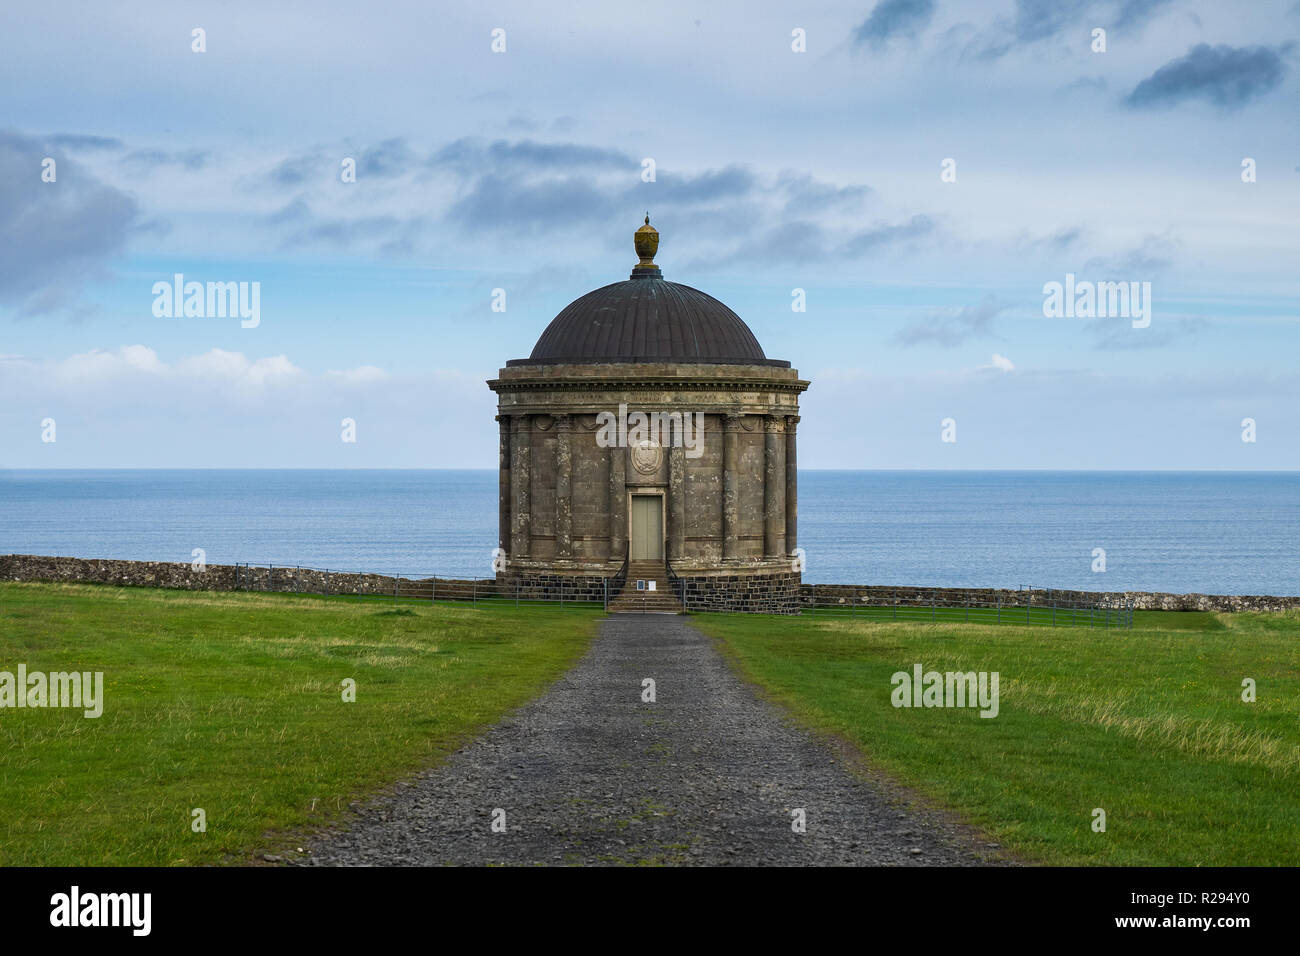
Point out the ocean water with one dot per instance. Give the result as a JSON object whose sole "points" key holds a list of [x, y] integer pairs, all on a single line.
{"points": [[1213, 532]]}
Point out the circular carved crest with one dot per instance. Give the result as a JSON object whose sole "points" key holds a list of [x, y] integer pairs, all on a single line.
{"points": [[647, 457]]}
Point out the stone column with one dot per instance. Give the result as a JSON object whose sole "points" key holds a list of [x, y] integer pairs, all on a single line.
{"points": [[791, 486], [521, 452], [503, 491], [731, 486], [676, 501], [773, 488], [617, 503], [563, 487]]}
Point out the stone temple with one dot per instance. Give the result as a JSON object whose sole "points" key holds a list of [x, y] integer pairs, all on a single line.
{"points": [[649, 437]]}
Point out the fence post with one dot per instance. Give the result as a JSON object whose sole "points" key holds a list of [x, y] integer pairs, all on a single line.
{"points": [[516, 592], [895, 597], [473, 592], [999, 608], [934, 597]]}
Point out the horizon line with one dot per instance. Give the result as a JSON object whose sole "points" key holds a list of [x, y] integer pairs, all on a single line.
{"points": [[803, 470]]}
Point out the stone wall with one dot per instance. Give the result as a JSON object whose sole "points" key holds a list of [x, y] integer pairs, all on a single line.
{"points": [[529, 586], [767, 593], [229, 577], [823, 595], [536, 586], [751, 593]]}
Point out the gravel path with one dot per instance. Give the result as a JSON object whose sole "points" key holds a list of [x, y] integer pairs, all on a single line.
{"points": [[589, 773]]}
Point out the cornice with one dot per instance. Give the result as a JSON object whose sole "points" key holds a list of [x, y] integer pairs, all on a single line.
{"points": [[625, 384]]}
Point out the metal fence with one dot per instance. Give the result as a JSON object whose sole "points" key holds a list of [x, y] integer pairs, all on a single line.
{"points": [[1026, 605], [422, 588]]}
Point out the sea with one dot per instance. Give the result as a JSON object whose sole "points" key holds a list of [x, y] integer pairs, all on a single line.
{"points": [[1208, 532]]}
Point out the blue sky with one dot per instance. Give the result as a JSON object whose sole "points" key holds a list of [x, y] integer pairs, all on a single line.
{"points": [[774, 170]]}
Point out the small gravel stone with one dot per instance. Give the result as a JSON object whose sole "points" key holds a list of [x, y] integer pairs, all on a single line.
{"points": [[588, 773]]}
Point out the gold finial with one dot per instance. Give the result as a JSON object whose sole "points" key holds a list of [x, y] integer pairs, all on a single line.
{"points": [[646, 241]]}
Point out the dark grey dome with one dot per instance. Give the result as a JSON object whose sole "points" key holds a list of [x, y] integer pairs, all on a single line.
{"points": [[647, 319]]}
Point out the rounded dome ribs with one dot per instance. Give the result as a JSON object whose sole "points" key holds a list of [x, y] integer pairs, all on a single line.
{"points": [[647, 320]]}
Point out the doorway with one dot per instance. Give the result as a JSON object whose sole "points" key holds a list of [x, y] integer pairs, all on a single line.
{"points": [[647, 528]]}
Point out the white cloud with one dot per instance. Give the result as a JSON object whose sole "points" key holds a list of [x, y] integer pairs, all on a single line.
{"points": [[1000, 362], [130, 408], [133, 363], [141, 358], [237, 369]]}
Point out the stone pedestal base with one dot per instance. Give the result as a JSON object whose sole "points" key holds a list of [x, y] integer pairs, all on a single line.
{"points": [[768, 588]]}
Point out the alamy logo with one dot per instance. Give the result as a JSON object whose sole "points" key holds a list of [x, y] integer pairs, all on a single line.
{"points": [[1098, 300], [950, 689], [215, 300], [103, 909], [74, 689], [651, 430]]}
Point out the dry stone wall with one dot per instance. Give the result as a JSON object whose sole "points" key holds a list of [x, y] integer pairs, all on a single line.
{"points": [[219, 577], [762, 593], [884, 596]]}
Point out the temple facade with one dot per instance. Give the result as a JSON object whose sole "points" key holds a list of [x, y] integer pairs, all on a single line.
{"points": [[647, 436]]}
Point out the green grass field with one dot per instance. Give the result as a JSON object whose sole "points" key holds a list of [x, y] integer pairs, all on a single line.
{"points": [[232, 703], [1147, 724], [1045, 616]]}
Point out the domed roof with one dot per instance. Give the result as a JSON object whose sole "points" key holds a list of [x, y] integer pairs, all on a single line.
{"points": [[647, 319]]}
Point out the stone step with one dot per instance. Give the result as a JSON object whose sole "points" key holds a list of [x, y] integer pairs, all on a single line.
{"points": [[660, 592], [661, 587], [661, 600], [635, 607]]}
